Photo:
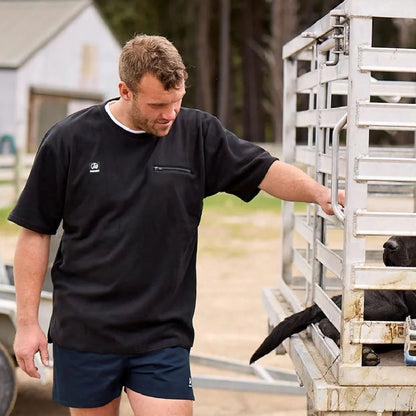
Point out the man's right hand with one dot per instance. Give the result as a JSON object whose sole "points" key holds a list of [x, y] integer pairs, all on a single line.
{"points": [[28, 341]]}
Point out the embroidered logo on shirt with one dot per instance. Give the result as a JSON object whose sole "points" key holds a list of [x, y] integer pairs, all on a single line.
{"points": [[190, 382], [94, 167]]}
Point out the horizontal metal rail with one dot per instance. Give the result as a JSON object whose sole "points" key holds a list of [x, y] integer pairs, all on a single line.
{"points": [[384, 223], [320, 118], [380, 116], [331, 310], [378, 88], [387, 116], [329, 259], [303, 265], [386, 59], [377, 332], [385, 169], [264, 379], [388, 8], [389, 278], [302, 227]]}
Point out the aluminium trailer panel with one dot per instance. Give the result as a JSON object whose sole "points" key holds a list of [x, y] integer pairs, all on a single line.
{"points": [[337, 85]]}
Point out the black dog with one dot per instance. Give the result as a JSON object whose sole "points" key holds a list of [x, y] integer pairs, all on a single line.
{"points": [[379, 305]]}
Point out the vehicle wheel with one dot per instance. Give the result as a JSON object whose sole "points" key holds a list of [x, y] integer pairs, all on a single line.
{"points": [[8, 387]]}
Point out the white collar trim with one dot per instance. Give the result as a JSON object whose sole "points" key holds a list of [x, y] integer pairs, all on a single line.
{"points": [[108, 110]]}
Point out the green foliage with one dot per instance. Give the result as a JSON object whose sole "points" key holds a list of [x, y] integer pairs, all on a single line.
{"points": [[7, 227], [157, 17], [227, 202], [230, 203]]}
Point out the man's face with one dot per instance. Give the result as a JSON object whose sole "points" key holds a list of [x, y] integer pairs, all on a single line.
{"points": [[154, 109]]}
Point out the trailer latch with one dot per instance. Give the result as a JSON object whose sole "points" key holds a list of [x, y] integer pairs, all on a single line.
{"points": [[410, 341]]}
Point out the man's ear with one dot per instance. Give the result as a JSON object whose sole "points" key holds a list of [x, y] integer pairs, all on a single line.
{"points": [[125, 92]]}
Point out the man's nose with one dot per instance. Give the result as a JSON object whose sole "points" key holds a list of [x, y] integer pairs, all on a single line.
{"points": [[170, 112]]}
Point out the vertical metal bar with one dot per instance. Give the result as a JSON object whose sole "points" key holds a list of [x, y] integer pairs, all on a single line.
{"points": [[356, 193], [289, 143], [414, 186], [320, 148], [335, 158], [311, 143]]}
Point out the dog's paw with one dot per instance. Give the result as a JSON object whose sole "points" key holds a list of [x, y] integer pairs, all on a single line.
{"points": [[370, 357]]}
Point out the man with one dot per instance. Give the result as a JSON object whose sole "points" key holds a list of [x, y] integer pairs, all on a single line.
{"points": [[127, 180]]}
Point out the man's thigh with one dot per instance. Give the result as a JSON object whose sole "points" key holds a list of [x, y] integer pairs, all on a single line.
{"points": [[152, 406], [110, 409]]}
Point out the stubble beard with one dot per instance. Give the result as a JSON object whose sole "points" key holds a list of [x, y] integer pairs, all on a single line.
{"points": [[141, 123]]}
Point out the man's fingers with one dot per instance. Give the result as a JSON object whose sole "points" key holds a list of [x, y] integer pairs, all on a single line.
{"points": [[44, 354], [341, 197], [31, 350], [28, 366], [21, 363]]}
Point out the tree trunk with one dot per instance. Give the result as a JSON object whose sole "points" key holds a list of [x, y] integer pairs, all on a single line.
{"points": [[253, 71], [284, 27], [204, 96], [224, 62]]}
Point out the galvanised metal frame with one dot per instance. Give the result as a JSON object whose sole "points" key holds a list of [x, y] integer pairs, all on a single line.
{"points": [[323, 255]]}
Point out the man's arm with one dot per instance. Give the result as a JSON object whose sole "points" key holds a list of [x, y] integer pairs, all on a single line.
{"points": [[287, 182], [30, 264]]}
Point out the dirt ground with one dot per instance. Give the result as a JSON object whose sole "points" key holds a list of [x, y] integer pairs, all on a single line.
{"points": [[238, 256]]}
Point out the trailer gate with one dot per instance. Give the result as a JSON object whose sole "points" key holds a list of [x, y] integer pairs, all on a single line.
{"points": [[339, 88]]}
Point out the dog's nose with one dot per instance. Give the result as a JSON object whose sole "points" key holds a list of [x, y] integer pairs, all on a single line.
{"points": [[391, 245]]}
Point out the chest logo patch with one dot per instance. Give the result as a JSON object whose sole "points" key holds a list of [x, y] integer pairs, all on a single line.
{"points": [[94, 167]]}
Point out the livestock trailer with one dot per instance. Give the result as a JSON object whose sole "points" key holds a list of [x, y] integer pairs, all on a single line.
{"points": [[344, 94]]}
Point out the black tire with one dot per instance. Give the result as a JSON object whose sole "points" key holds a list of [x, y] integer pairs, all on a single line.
{"points": [[8, 387]]}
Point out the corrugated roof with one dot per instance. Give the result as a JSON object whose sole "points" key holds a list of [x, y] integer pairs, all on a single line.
{"points": [[26, 25]]}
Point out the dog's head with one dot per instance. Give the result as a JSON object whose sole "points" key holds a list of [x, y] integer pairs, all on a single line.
{"points": [[400, 251]]}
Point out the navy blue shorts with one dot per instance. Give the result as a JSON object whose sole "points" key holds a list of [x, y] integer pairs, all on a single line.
{"points": [[84, 379]]}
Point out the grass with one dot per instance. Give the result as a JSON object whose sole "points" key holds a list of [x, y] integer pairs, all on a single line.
{"points": [[230, 203], [7, 227], [230, 227]]}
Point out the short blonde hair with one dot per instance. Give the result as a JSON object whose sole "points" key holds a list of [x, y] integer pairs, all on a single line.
{"points": [[151, 54]]}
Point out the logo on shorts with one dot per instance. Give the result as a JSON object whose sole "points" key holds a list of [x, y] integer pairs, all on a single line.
{"points": [[190, 382], [94, 167]]}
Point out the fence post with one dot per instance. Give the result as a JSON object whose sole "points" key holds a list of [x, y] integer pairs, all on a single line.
{"points": [[17, 173]]}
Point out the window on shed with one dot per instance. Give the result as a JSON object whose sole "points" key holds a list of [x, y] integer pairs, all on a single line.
{"points": [[48, 107]]}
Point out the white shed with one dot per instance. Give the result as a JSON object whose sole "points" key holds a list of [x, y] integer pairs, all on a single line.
{"points": [[56, 56]]}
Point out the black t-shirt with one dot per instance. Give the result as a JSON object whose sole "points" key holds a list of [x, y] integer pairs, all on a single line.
{"points": [[124, 275]]}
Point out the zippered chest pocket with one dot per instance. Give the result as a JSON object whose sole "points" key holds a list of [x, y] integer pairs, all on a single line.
{"points": [[178, 190], [172, 169]]}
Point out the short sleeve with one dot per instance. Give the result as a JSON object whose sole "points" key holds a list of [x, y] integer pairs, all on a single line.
{"points": [[233, 165], [40, 205]]}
